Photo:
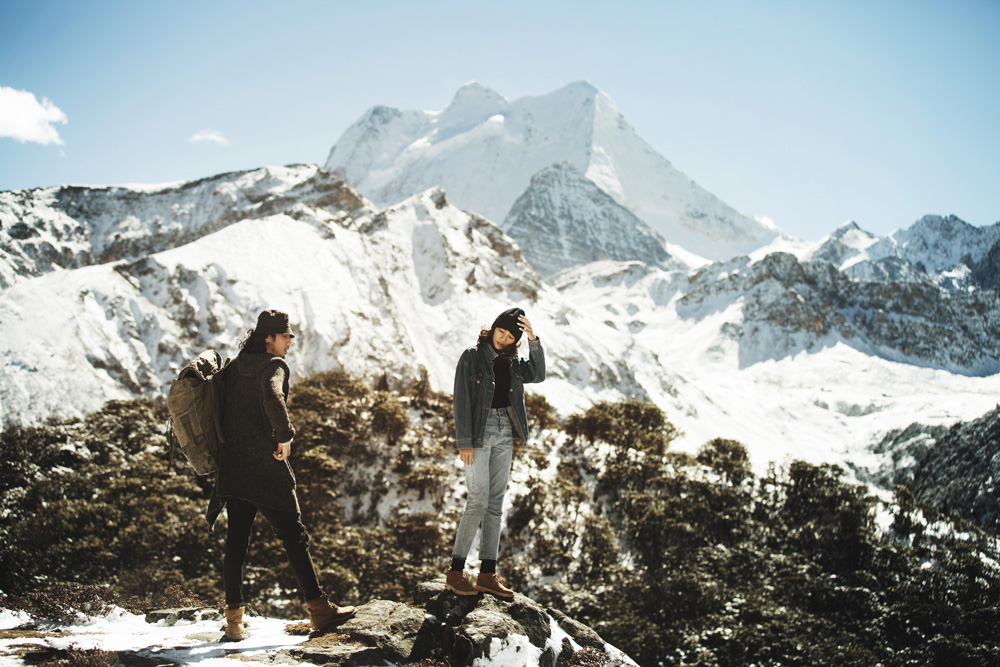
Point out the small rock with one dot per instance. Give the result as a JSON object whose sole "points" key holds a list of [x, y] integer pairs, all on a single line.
{"points": [[581, 634], [382, 631]]}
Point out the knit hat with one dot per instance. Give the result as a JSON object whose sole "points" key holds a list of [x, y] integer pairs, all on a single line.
{"points": [[508, 320], [273, 322]]}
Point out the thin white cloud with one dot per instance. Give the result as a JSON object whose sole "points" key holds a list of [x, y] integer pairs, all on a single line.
{"points": [[23, 118], [209, 136]]}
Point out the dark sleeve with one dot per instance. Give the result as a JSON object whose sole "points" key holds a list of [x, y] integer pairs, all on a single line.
{"points": [[274, 406], [534, 369], [462, 402]]}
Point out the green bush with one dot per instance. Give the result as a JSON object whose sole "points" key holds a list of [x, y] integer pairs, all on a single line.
{"points": [[541, 415], [111, 512], [696, 561], [629, 426], [727, 457]]}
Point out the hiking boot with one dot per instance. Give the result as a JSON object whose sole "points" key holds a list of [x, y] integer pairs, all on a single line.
{"points": [[491, 582], [323, 615], [234, 625], [458, 582]]}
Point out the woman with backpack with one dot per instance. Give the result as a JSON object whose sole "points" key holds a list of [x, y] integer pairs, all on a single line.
{"points": [[489, 414], [254, 473]]}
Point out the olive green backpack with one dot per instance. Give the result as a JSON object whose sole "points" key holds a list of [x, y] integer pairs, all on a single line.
{"points": [[195, 401]]}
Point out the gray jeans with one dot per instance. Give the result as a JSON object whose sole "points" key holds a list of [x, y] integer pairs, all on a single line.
{"points": [[486, 478]]}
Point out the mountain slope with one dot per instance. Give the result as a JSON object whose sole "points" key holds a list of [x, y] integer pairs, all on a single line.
{"points": [[564, 220], [790, 306], [70, 226], [943, 251], [759, 352], [950, 469], [393, 292], [484, 150], [792, 358]]}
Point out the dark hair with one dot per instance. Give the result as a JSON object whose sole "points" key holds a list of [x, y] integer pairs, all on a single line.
{"points": [[253, 343], [486, 338]]}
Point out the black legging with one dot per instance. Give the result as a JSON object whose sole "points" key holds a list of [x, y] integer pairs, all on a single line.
{"points": [[289, 529]]}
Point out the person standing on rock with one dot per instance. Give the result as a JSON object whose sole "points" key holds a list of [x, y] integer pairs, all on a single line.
{"points": [[254, 473], [489, 414]]}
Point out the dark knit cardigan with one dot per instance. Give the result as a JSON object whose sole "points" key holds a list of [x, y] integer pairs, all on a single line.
{"points": [[255, 420]]}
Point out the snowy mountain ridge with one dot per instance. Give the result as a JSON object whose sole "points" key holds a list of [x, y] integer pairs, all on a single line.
{"points": [[944, 251], [602, 241], [71, 226], [774, 353], [484, 150], [394, 291]]}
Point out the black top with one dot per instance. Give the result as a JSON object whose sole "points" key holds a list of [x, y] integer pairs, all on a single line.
{"points": [[501, 392]]}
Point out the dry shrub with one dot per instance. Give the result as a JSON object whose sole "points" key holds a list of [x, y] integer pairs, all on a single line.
{"points": [[64, 602]]}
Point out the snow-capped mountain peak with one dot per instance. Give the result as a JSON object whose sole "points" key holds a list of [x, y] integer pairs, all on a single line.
{"points": [[938, 242], [484, 150], [847, 245], [473, 104]]}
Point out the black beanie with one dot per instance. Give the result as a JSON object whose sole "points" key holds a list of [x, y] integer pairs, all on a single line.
{"points": [[508, 320], [273, 322]]}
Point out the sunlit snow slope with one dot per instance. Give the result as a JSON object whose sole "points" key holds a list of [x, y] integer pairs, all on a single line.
{"points": [[484, 149]]}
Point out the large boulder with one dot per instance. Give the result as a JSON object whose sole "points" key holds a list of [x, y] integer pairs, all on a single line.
{"points": [[455, 630]]}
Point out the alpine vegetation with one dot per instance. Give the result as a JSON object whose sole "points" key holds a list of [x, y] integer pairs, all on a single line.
{"points": [[672, 558]]}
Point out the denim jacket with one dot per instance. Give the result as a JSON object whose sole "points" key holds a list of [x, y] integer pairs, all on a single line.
{"points": [[474, 385]]}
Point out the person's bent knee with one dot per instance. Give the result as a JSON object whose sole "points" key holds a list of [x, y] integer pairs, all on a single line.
{"points": [[474, 508]]}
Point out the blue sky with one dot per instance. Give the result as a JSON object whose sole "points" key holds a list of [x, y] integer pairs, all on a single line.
{"points": [[810, 113]]}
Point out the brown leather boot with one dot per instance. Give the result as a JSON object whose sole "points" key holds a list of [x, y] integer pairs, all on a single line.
{"points": [[491, 582], [458, 582], [323, 615], [234, 625]]}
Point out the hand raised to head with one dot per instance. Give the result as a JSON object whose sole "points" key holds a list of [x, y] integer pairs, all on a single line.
{"points": [[526, 327]]}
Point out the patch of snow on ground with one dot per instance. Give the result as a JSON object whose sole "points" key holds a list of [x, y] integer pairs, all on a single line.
{"points": [[183, 643], [513, 651], [12, 619]]}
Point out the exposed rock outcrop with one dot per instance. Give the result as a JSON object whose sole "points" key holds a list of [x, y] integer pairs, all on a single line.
{"points": [[950, 469], [70, 226], [790, 305], [456, 630], [563, 219], [942, 251]]}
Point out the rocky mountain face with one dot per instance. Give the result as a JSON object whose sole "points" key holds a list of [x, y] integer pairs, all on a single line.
{"points": [[942, 251], [118, 287], [563, 220], [69, 227], [485, 150], [156, 277], [790, 306], [949, 469]]}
